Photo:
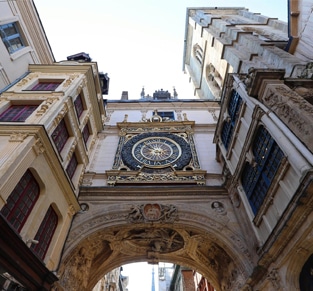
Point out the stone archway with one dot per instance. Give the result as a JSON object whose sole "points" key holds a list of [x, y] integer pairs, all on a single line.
{"points": [[193, 227]]}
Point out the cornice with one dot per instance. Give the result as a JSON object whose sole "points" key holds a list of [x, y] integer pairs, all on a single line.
{"points": [[197, 192]]}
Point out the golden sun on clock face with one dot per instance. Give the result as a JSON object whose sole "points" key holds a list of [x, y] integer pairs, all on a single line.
{"points": [[156, 151]]}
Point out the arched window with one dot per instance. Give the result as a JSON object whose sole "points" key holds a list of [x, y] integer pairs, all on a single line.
{"points": [[234, 106], [214, 80], [306, 276], [198, 53], [256, 178], [45, 233], [21, 201]]}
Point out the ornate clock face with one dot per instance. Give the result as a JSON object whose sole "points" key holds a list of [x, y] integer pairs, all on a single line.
{"points": [[156, 150]]}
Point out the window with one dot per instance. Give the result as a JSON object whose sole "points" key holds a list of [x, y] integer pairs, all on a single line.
{"points": [[45, 233], [72, 165], [21, 201], [11, 37], [257, 178], [198, 53], [166, 115], [86, 133], [234, 106], [78, 103], [17, 113], [60, 135], [46, 86]]}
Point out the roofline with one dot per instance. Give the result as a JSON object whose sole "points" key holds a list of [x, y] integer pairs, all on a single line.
{"points": [[43, 29], [187, 22]]}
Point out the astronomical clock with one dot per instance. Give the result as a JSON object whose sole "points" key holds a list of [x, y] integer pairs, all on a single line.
{"points": [[155, 152]]}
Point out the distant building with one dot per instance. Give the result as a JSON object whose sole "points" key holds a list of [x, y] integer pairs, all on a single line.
{"points": [[112, 281], [185, 279]]}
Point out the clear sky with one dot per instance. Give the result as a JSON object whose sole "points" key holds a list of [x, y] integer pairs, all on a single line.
{"points": [[138, 43]]}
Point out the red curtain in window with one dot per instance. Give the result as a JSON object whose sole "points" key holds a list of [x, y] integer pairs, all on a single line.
{"points": [[17, 113], [46, 86], [45, 233], [72, 165], [60, 135], [86, 133], [79, 107], [21, 201]]}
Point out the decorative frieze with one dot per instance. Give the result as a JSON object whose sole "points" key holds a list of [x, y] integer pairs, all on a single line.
{"points": [[153, 212], [45, 106], [18, 137], [292, 109], [39, 147]]}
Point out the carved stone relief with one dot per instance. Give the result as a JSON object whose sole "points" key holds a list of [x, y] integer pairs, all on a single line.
{"points": [[152, 212], [293, 110], [273, 277], [161, 240], [74, 273], [18, 137]]}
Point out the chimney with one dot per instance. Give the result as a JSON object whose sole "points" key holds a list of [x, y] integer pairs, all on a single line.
{"points": [[124, 95]]}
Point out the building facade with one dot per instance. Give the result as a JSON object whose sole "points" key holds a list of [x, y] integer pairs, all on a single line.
{"points": [[23, 41], [49, 122], [221, 184], [221, 40]]}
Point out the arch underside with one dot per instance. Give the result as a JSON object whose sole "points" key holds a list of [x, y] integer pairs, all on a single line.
{"points": [[200, 234]]}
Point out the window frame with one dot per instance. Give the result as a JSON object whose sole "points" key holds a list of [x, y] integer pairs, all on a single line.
{"points": [[10, 115], [46, 85], [26, 190], [72, 166], [60, 135], [85, 134], [234, 107], [8, 39], [45, 233], [79, 105], [257, 178]]}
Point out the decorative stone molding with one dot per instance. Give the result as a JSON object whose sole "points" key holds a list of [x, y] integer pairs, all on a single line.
{"points": [[18, 137], [70, 80], [218, 207], [152, 212], [61, 115], [179, 114], [213, 113], [108, 115], [118, 177], [307, 73], [274, 278], [71, 210], [45, 106], [25, 80], [292, 109], [39, 147]]}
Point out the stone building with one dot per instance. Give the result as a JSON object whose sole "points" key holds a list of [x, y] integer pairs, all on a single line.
{"points": [[49, 123], [23, 41], [222, 40], [221, 184]]}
